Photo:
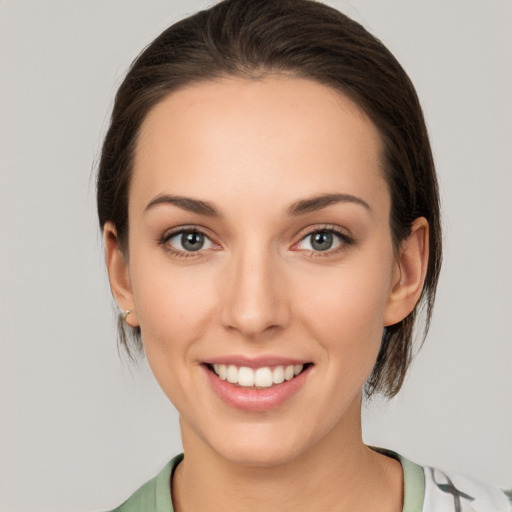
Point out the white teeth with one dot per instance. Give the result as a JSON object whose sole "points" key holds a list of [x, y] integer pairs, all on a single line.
{"points": [[289, 372], [232, 375], [261, 377], [278, 375], [246, 376], [222, 372]]}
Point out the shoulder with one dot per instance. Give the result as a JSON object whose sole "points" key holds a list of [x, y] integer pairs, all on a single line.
{"points": [[450, 491], [154, 495], [428, 489]]}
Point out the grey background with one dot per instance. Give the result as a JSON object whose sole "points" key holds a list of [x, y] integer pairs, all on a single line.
{"points": [[79, 430]]}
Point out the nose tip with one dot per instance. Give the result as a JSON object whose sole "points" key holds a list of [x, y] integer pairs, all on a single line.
{"points": [[252, 322], [254, 302]]}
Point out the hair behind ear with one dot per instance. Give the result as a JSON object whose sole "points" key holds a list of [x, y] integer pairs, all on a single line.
{"points": [[405, 299]]}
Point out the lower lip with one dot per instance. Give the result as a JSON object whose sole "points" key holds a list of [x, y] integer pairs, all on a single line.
{"points": [[252, 399]]}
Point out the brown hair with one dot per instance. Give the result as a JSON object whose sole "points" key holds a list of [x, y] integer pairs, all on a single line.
{"points": [[305, 39]]}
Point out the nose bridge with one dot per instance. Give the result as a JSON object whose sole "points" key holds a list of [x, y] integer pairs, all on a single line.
{"points": [[253, 302]]}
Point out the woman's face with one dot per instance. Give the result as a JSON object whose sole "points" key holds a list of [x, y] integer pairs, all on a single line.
{"points": [[260, 248]]}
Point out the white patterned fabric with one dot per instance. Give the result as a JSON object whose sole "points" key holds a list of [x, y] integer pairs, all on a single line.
{"points": [[446, 492]]}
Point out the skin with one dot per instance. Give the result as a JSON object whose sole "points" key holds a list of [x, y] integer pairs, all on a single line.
{"points": [[252, 149]]}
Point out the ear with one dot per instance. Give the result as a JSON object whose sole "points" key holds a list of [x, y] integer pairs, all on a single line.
{"points": [[118, 273], [409, 274]]}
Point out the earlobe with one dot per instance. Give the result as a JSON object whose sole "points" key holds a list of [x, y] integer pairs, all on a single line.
{"points": [[118, 273], [411, 268]]}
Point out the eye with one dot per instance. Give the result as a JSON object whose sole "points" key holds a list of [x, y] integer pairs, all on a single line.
{"points": [[188, 241], [323, 240]]}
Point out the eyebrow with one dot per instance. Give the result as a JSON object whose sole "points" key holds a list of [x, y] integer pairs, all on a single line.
{"points": [[298, 208], [186, 203], [318, 202]]}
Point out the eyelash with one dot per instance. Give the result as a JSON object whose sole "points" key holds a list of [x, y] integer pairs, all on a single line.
{"points": [[164, 241], [344, 239]]}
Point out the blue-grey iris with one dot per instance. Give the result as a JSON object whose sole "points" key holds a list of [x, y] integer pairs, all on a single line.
{"points": [[192, 241], [321, 241]]}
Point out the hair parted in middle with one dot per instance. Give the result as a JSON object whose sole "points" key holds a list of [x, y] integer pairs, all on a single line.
{"points": [[297, 38]]}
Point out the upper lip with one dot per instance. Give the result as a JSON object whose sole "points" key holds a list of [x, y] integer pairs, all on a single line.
{"points": [[256, 362]]}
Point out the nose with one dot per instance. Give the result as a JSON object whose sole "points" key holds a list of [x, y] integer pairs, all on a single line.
{"points": [[254, 298]]}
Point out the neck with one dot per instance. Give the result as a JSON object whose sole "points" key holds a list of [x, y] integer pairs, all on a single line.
{"points": [[339, 474]]}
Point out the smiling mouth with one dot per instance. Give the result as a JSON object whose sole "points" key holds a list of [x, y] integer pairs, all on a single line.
{"points": [[257, 378]]}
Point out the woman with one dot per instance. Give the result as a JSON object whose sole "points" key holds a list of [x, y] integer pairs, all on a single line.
{"points": [[270, 213]]}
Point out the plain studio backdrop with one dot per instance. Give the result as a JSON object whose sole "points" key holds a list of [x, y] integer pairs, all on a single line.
{"points": [[80, 430]]}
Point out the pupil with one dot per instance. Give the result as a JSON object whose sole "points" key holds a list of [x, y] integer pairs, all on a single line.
{"points": [[192, 241], [321, 241]]}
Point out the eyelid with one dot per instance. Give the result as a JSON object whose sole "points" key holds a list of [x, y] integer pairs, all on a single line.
{"points": [[346, 239], [176, 231]]}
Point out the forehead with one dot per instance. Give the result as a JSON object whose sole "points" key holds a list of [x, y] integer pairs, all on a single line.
{"points": [[237, 135]]}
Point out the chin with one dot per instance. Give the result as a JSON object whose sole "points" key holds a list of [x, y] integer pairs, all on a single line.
{"points": [[258, 455], [263, 446]]}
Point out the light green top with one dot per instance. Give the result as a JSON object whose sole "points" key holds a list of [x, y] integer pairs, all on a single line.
{"points": [[155, 495]]}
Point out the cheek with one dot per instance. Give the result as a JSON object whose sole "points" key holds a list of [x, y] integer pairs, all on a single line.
{"points": [[173, 304], [345, 307], [174, 312]]}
